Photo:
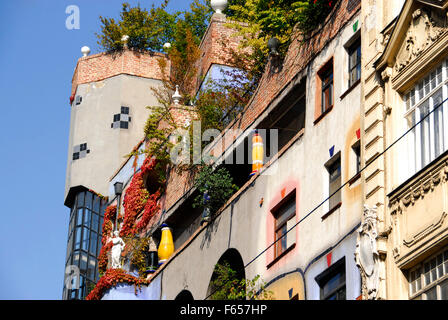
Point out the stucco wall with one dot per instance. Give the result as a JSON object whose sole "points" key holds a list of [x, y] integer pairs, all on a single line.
{"points": [[91, 123]]}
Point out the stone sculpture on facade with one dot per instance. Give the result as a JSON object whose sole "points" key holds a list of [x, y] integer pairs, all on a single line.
{"points": [[118, 246], [366, 255]]}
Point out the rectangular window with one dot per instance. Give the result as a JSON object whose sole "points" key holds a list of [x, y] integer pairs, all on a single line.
{"points": [[357, 151], [354, 62], [424, 109], [284, 220], [332, 282], [429, 280], [125, 110], [334, 175], [325, 75], [124, 124]]}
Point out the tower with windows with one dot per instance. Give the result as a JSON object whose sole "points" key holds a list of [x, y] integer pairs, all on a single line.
{"points": [[109, 99]]}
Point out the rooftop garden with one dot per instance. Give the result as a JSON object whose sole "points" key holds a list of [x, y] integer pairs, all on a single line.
{"points": [[213, 107]]}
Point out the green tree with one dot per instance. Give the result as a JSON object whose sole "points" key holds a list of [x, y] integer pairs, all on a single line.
{"points": [[219, 185], [226, 285], [151, 29], [265, 19]]}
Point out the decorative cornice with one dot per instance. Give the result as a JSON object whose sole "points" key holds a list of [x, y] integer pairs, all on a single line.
{"points": [[423, 31], [416, 188], [422, 233]]}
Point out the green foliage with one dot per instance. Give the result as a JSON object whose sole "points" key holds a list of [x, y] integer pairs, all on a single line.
{"points": [[227, 286], [265, 19], [219, 185], [151, 29], [310, 14]]}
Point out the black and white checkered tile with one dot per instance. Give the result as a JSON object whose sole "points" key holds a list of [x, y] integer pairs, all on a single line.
{"points": [[121, 120], [80, 151]]}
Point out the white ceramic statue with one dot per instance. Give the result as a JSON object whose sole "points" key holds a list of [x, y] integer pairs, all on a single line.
{"points": [[117, 248]]}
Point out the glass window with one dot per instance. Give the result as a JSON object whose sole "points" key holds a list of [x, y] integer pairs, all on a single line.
{"points": [[429, 280], [95, 222], [96, 204], [76, 259], [354, 63], [80, 200], [327, 89], [91, 269], [357, 150], [87, 218], [93, 243], [85, 224], [77, 238], [444, 290], [85, 239], [88, 203], [83, 263], [334, 171], [332, 282], [425, 107], [282, 216], [124, 124], [125, 110]]}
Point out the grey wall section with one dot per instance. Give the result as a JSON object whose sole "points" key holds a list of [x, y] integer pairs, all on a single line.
{"points": [[91, 123]]}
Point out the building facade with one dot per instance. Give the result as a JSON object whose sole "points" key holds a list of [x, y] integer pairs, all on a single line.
{"points": [[108, 103], [404, 148], [308, 194], [351, 201]]}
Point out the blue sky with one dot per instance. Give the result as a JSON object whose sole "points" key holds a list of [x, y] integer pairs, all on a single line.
{"points": [[37, 59]]}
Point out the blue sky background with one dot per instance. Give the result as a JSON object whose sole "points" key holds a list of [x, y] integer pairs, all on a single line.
{"points": [[37, 58]]}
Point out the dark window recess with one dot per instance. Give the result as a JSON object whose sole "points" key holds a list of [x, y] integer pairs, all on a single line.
{"points": [[284, 214], [357, 150], [288, 117], [124, 124], [78, 100], [354, 62], [121, 120], [327, 88], [332, 282], [80, 151], [334, 173]]}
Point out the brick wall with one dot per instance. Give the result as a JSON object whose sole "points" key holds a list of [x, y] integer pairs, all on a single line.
{"points": [[299, 55], [216, 46], [102, 66]]}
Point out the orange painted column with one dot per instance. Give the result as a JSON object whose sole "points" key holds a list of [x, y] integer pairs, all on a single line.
{"points": [[257, 153]]}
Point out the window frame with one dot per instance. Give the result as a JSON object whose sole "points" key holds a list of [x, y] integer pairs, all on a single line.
{"points": [[277, 213], [84, 207], [354, 47], [327, 74], [321, 110], [421, 288], [324, 278], [432, 133], [338, 195]]}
